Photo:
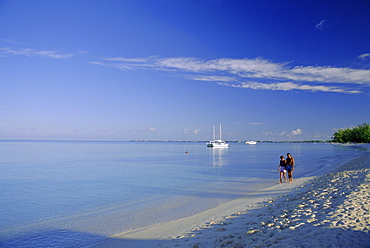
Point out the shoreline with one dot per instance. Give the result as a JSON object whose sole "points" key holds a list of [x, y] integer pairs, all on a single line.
{"points": [[263, 218]]}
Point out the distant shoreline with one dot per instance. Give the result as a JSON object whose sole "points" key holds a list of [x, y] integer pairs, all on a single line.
{"points": [[234, 141], [182, 141]]}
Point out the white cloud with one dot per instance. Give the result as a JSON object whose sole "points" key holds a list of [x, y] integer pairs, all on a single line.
{"points": [[364, 56], [287, 86], [133, 60], [10, 41], [150, 129], [282, 133], [251, 68], [317, 135], [296, 132], [31, 52], [213, 78], [327, 74], [321, 25], [196, 131], [188, 131], [266, 75]]}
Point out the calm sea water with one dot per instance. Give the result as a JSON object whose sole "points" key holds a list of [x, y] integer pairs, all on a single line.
{"points": [[75, 194]]}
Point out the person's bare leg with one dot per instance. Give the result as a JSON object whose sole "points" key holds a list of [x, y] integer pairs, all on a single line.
{"points": [[281, 178]]}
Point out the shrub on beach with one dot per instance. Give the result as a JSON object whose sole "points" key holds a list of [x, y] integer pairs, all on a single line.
{"points": [[359, 134]]}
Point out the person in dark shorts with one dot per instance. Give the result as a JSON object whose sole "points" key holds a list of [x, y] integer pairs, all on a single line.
{"points": [[282, 170], [289, 166]]}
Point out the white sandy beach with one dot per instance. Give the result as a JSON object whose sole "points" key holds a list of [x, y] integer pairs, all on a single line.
{"points": [[332, 210]]}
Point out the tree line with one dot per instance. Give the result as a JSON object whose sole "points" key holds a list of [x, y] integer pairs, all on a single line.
{"points": [[359, 134]]}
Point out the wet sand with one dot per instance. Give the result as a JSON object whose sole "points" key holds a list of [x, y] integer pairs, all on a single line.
{"points": [[331, 210]]}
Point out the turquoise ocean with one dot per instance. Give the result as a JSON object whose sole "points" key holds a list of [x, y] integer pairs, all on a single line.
{"points": [[78, 193]]}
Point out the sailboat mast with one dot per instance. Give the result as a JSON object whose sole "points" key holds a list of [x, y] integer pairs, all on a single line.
{"points": [[220, 133], [214, 133]]}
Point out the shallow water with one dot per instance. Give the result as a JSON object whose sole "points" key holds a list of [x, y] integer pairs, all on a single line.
{"points": [[69, 194]]}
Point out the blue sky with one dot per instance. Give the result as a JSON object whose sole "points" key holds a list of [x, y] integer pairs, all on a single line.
{"points": [[173, 69]]}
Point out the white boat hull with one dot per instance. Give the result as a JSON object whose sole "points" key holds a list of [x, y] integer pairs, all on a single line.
{"points": [[217, 144], [251, 142]]}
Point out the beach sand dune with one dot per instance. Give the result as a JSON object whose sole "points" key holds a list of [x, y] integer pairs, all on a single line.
{"points": [[332, 210]]}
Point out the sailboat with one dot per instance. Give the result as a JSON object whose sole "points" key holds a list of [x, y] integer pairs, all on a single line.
{"points": [[217, 143]]}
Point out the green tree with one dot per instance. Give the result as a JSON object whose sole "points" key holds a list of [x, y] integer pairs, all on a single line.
{"points": [[359, 134]]}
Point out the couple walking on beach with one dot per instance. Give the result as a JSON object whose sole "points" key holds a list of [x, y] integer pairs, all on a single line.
{"points": [[286, 165]]}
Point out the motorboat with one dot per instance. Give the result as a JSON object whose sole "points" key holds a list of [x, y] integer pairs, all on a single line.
{"points": [[251, 142]]}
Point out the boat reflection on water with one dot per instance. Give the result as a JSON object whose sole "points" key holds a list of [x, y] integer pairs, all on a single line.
{"points": [[220, 157]]}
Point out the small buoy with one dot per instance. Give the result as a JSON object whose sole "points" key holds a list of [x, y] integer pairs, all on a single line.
{"points": [[186, 152]]}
